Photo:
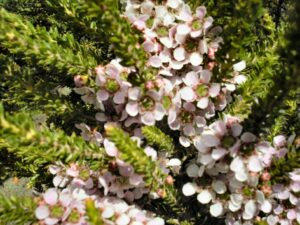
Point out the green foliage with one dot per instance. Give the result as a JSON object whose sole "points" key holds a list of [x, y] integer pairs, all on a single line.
{"points": [[262, 73], [17, 211], [281, 167], [105, 16], [287, 117], [130, 152], [41, 146], [45, 43], [21, 37], [155, 136]]}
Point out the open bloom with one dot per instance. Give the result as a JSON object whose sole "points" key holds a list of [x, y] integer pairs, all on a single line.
{"points": [[111, 80], [199, 89], [147, 105]]}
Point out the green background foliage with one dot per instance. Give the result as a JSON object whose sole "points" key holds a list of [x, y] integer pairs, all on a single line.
{"points": [[45, 43]]}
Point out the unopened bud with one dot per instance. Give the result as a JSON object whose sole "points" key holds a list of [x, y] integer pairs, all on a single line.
{"points": [[266, 176], [170, 180]]}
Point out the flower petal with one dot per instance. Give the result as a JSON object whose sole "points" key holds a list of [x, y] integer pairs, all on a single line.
{"points": [[203, 103], [148, 119], [102, 95], [219, 186], [216, 209], [210, 140], [248, 137], [51, 196], [155, 61], [196, 59], [187, 94], [189, 189], [239, 66], [218, 153], [192, 170], [159, 111], [42, 212], [179, 54], [191, 79], [254, 164], [214, 90], [132, 108], [204, 197], [201, 12]]}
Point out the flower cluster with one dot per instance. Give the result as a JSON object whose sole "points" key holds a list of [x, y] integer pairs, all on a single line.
{"points": [[235, 168], [68, 207], [231, 172], [123, 183], [182, 46]]}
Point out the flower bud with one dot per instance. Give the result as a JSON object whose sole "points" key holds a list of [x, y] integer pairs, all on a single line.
{"points": [[80, 80], [170, 180], [265, 176]]}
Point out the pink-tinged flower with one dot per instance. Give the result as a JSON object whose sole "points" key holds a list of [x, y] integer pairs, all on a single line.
{"points": [[87, 94], [199, 89], [89, 134], [140, 22], [54, 208], [265, 176], [111, 80], [279, 141], [187, 120], [148, 105]]}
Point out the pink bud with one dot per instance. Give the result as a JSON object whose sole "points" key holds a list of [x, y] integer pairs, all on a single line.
{"points": [[279, 141], [170, 180], [266, 189], [161, 193], [79, 81], [266, 176], [211, 65], [149, 85], [211, 53]]}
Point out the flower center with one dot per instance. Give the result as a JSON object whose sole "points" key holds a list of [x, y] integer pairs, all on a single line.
{"points": [[166, 101], [162, 31], [196, 25], [247, 192], [147, 103], [186, 117], [228, 141], [74, 216], [202, 90], [150, 22], [57, 211], [112, 85]]}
